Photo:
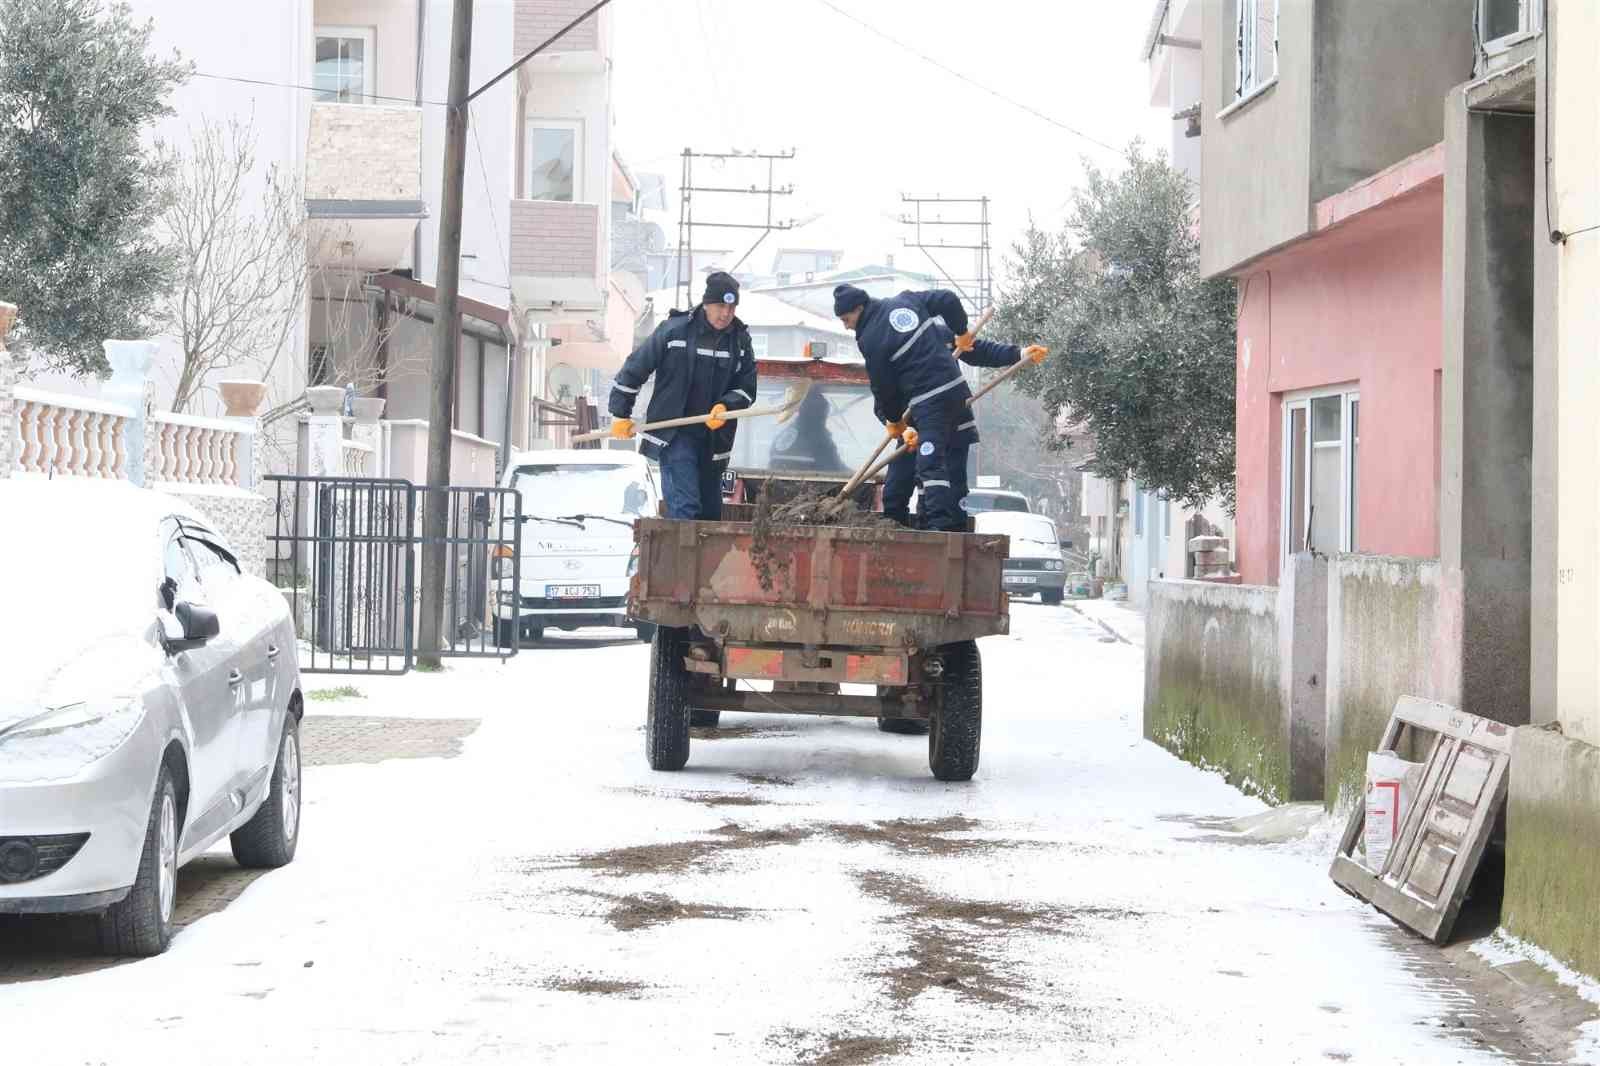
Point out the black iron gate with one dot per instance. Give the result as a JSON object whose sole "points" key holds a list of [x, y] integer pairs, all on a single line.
{"points": [[347, 553]]}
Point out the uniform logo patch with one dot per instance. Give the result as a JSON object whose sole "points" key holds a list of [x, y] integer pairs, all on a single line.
{"points": [[927, 447], [903, 319]]}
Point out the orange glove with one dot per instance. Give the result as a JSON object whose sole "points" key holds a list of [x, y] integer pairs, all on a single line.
{"points": [[910, 438], [1035, 352], [718, 417], [621, 428], [895, 429], [965, 341]]}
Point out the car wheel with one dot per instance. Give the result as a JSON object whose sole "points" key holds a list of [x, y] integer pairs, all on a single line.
{"points": [[914, 727], [505, 633], [957, 725], [666, 728], [646, 631], [269, 839], [141, 922], [1050, 596]]}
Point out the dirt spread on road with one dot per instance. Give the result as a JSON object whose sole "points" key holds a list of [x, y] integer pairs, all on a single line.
{"points": [[919, 836], [596, 986], [836, 1049], [765, 779], [705, 799], [739, 732], [682, 854], [633, 912]]}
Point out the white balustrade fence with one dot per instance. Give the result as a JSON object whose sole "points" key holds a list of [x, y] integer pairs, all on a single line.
{"points": [[68, 435]]}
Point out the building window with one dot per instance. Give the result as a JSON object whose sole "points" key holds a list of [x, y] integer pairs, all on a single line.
{"points": [[1502, 22], [342, 72], [758, 344], [319, 366], [1321, 440], [1255, 51], [554, 148]]}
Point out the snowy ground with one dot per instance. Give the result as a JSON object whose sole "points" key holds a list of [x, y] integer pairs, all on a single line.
{"points": [[807, 894]]}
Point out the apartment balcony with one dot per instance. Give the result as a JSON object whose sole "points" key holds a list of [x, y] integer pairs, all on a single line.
{"points": [[558, 258], [363, 184], [584, 49]]}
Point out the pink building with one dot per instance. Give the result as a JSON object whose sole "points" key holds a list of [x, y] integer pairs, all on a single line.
{"points": [[1340, 335]]}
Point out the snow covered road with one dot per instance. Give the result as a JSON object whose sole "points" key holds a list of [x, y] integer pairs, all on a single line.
{"points": [[804, 893]]}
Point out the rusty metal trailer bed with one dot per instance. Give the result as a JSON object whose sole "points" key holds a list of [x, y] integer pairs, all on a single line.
{"points": [[812, 608]]}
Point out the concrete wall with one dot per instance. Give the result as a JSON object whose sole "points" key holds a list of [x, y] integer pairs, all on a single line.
{"points": [[1358, 306], [1486, 529], [1213, 692], [1566, 594], [1255, 160], [1553, 846], [1382, 68], [1391, 625]]}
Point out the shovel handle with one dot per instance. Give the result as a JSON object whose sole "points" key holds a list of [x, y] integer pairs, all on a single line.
{"points": [[687, 420], [1014, 368]]}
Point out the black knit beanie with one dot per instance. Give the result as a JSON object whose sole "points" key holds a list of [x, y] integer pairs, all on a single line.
{"points": [[721, 288], [847, 298]]}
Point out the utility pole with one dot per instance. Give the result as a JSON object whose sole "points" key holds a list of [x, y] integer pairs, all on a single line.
{"points": [[447, 325], [446, 342], [966, 222], [684, 296]]}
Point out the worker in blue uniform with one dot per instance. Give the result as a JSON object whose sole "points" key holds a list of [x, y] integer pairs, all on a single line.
{"points": [[704, 364], [910, 343]]}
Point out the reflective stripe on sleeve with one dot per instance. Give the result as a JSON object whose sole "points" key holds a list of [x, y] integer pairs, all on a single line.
{"points": [[936, 484], [623, 388], [747, 397], [931, 393], [677, 344]]}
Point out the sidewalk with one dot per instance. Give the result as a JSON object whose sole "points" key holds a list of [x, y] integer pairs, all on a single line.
{"points": [[1120, 619]]}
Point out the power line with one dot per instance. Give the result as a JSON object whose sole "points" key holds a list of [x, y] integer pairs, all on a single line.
{"points": [[313, 88], [1035, 112]]}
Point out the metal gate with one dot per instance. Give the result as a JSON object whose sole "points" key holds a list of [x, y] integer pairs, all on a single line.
{"points": [[347, 553]]}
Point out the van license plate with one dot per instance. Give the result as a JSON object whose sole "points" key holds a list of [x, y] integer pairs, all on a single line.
{"points": [[1021, 579], [572, 592]]}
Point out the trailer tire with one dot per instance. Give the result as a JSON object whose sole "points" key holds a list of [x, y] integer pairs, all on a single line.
{"points": [[911, 727], [666, 727], [704, 719], [645, 631], [957, 725]]}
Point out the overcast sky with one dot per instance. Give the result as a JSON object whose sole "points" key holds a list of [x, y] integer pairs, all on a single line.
{"points": [[869, 120]]}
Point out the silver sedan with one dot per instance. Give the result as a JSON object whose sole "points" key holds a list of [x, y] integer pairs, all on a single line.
{"points": [[149, 706]]}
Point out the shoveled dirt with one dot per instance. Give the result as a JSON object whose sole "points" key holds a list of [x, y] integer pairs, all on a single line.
{"points": [[705, 799], [631, 913], [815, 508], [918, 836], [739, 732], [834, 1049], [682, 854], [596, 986]]}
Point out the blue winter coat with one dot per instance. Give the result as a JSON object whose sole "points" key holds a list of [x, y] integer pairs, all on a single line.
{"points": [[683, 351]]}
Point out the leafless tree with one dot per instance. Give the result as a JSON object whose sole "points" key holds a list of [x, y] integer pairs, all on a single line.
{"points": [[240, 238]]}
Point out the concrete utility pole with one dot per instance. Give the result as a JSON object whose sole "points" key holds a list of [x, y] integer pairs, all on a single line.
{"points": [[447, 324], [446, 343]]}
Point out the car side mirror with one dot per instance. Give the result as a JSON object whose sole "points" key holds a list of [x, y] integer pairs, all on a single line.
{"points": [[196, 623]]}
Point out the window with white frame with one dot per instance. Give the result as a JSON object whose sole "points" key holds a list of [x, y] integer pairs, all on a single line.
{"points": [[758, 344], [1321, 442], [554, 151], [1255, 52], [1502, 22], [344, 65]]}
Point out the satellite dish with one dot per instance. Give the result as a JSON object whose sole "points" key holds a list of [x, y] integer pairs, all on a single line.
{"points": [[655, 238], [565, 384]]}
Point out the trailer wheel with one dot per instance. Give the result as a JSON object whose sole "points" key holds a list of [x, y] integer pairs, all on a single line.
{"points": [[666, 726], [957, 724], [913, 727]]}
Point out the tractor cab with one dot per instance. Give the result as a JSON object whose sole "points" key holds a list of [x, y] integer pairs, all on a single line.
{"points": [[829, 437]]}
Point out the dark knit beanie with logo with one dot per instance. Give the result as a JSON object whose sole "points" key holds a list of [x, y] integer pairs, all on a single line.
{"points": [[721, 288]]}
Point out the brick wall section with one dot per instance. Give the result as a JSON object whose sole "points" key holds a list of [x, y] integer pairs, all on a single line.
{"points": [[555, 240], [364, 152], [536, 20]]}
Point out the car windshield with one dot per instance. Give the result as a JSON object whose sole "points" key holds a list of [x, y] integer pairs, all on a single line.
{"points": [[994, 501], [832, 432], [1029, 527], [554, 490]]}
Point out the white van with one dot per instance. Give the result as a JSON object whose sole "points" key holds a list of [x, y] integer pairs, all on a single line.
{"points": [[578, 511]]}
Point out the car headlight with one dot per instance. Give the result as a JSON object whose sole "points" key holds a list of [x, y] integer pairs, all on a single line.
{"points": [[60, 741], [1055, 564]]}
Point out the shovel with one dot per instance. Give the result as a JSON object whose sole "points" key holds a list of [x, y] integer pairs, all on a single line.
{"points": [[784, 411], [868, 469]]}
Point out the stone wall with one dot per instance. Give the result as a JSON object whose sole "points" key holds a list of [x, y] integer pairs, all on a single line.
{"points": [[1553, 846], [243, 518], [1393, 627], [1213, 682]]}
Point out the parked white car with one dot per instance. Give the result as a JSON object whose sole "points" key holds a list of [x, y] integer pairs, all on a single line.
{"points": [[980, 500], [149, 706], [1035, 562], [577, 557]]}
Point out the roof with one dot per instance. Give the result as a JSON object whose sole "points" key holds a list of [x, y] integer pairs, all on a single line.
{"points": [[579, 457], [758, 310]]}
